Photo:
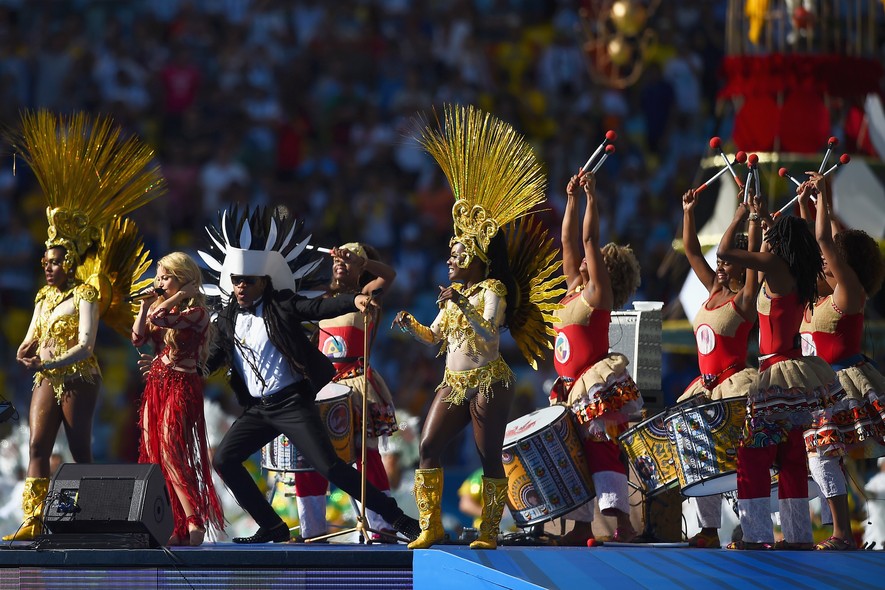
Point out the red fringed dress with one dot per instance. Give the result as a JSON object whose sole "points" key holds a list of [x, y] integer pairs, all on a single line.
{"points": [[173, 428]]}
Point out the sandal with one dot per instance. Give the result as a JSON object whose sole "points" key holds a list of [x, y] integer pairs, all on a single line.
{"points": [[745, 546], [705, 541], [620, 536], [786, 546], [834, 544]]}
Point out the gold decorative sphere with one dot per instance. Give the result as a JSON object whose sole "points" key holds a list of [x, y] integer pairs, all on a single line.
{"points": [[619, 51], [628, 16]]}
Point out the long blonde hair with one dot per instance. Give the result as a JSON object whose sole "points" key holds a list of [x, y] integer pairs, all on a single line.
{"points": [[185, 269]]}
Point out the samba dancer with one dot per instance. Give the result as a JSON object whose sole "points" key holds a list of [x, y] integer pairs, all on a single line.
{"points": [[173, 427], [833, 330], [592, 382], [356, 268], [496, 282], [721, 327], [790, 387], [275, 371], [91, 178]]}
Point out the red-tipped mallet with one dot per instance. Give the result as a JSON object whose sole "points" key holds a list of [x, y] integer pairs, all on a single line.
{"points": [[610, 136], [716, 144], [739, 158], [609, 149], [784, 173], [831, 143], [752, 160], [843, 159]]}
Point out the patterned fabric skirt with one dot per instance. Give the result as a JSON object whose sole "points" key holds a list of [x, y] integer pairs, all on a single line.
{"points": [[172, 411], [786, 396], [381, 420], [604, 398], [855, 425], [737, 385]]}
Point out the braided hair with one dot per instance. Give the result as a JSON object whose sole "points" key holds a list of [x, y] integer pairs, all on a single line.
{"points": [[791, 240], [499, 268]]}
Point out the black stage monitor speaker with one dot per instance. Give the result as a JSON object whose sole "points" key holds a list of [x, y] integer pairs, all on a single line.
{"points": [[106, 505]]}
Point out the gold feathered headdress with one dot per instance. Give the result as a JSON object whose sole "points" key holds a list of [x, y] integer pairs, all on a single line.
{"points": [[92, 175], [496, 179], [492, 170]]}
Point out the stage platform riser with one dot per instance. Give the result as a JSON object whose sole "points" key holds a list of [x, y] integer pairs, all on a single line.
{"points": [[208, 579]]}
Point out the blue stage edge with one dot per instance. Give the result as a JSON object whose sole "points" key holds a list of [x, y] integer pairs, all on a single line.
{"points": [[384, 567]]}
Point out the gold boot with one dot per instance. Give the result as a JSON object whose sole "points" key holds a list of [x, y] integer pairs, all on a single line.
{"points": [[32, 505], [428, 495], [494, 494]]}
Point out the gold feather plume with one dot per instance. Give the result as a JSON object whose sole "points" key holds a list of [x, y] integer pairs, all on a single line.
{"points": [[92, 175], [534, 259], [497, 180], [491, 168], [117, 272]]}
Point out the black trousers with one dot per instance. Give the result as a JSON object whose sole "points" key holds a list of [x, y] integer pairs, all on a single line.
{"points": [[296, 416]]}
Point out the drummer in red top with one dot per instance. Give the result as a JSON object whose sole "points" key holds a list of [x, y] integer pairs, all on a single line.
{"points": [[833, 330], [356, 268], [594, 384], [721, 327], [790, 386]]}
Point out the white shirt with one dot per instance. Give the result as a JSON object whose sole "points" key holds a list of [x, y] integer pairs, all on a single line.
{"points": [[253, 341]]}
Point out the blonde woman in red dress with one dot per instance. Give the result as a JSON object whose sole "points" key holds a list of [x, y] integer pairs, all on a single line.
{"points": [[173, 428]]}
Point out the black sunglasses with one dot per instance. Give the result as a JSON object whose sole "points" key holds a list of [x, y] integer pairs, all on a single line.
{"points": [[246, 280]]}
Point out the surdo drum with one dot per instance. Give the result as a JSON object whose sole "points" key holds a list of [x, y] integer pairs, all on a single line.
{"points": [[334, 402], [547, 475]]}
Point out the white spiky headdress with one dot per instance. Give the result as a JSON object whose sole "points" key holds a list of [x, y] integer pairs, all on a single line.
{"points": [[261, 242]]}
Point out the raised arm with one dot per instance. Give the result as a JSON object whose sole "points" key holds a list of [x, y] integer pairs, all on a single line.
{"points": [[572, 250], [764, 262], [745, 300], [804, 192], [692, 245], [848, 295], [599, 291]]}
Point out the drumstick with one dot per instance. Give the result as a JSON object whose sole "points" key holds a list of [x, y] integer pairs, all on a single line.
{"points": [[843, 159], [833, 141], [318, 249], [609, 137], [609, 149], [739, 158], [716, 144]]}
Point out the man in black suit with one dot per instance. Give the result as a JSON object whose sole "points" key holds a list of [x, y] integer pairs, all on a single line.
{"points": [[276, 372]]}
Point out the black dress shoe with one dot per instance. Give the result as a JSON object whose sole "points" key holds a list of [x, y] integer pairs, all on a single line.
{"points": [[278, 534], [407, 526]]}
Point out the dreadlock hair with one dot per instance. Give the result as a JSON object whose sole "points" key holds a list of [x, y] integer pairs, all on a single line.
{"points": [[623, 271], [861, 252], [499, 268], [792, 240], [275, 326]]}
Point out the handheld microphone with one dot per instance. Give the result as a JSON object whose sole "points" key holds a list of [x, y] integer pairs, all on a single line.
{"points": [[146, 293]]}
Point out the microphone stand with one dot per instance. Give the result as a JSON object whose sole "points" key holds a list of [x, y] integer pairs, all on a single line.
{"points": [[361, 526]]}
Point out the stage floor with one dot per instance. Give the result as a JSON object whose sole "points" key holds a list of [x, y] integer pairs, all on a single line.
{"points": [[342, 566]]}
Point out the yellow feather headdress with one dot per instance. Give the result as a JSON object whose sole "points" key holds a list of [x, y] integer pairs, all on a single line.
{"points": [[492, 170], [496, 180], [92, 175]]}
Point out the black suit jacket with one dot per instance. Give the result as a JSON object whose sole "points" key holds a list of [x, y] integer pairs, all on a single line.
{"points": [[290, 338]]}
